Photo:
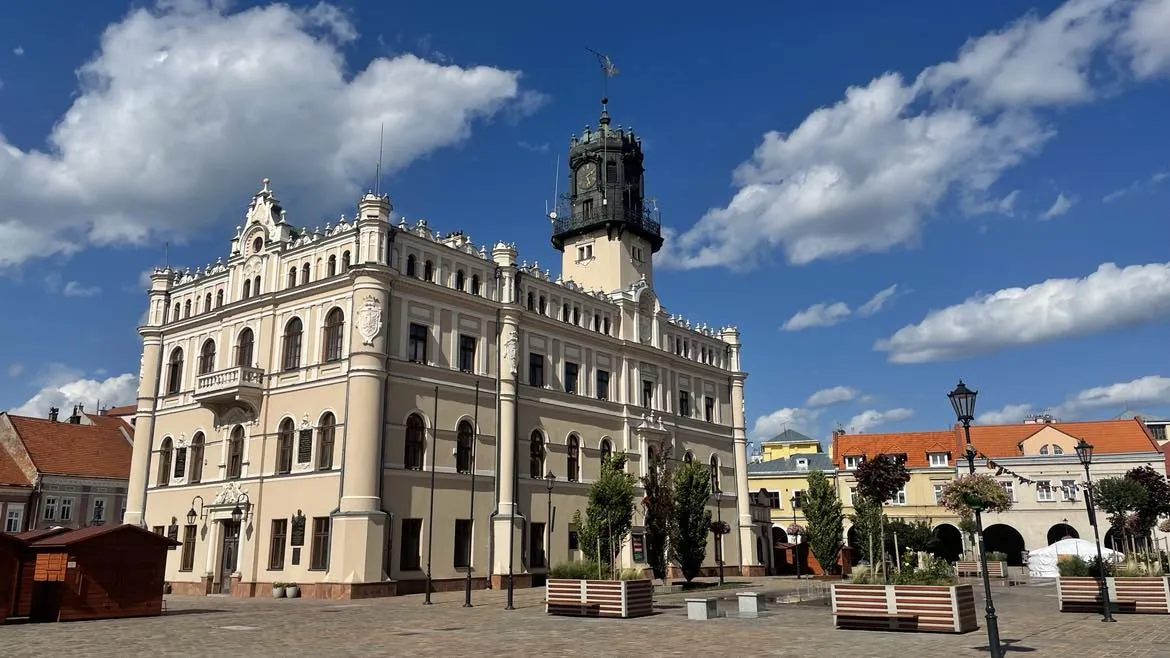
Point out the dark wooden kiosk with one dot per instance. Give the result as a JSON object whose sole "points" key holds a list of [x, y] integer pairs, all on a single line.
{"points": [[26, 566], [11, 550], [99, 572]]}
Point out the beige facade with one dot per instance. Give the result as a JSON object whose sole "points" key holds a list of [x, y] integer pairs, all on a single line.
{"points": [[320, 380]]}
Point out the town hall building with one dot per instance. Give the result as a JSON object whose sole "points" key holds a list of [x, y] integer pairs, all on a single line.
{"points": [[346, 407]]}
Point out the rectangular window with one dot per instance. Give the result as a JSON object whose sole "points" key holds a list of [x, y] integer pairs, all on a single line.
{"points": [[709, 409], [536, 545], [574, 539], [570, 377], [801, 464], [99, 511], [319, 553], [408, 559], [160, 530], [1158, 432], [180, 463], [187, 558], [1010, 488], [467, 353], [797, 499], [50, 508], [852, 495], [939, 460], [899, 498], [852, 462], [463, 543], [1068, 490], [277, 543], [417, 349], [1044, 492], [305, 446], [938, 491], [14, 518], [66, 509], [535, 369], [684, 403], [602, 384], [587, 207], [647, 394], [774, 499]]}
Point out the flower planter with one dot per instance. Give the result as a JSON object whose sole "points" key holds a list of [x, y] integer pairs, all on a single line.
{"points": [[278, 592], [292, 591], [971, 568], [923, 608], [1128, 594], [599, 598]]}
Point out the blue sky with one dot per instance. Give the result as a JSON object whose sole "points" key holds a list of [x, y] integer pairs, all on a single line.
{"points": [[883, 201]]}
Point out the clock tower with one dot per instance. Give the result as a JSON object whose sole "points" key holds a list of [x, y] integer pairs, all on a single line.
{"points": [[602, 227]]}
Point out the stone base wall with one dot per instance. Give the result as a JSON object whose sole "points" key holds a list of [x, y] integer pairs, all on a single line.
{"points": [[339, 591], [520, 581]]}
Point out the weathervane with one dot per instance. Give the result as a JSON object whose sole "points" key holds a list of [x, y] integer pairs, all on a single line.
{"points": [[608, 70]]}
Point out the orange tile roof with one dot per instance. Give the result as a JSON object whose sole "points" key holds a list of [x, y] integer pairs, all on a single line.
{"points": [[112, 422], [67, 449], [915, 445], [10, 473], [1107, 436], [124, 410]]}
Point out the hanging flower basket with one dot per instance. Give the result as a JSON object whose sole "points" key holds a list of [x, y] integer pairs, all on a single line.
{"points": [[794, 530], [975, 492], [720, 527]]}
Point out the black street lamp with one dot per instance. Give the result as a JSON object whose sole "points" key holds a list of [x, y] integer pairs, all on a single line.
{"points": [[238, 513], [1085, 454], [963, 402], [549, 478], [719, 535], [471, 499], [796, 536], [192, 515], [431, 513]]}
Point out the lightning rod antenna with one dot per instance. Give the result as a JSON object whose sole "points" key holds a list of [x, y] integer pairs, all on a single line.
{"points": [[378, 169]]}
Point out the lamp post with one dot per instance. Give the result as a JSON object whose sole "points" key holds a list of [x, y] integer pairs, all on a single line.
{"points": [[549, 478], [431, 513], [796, 535], [719, 535], [192, 515], [963, 402], [471, 498], [1085, 454], [238, 513]]}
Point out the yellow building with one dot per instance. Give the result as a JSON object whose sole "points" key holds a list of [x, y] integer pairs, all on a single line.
{"points": [[779, 476], [788, 443]]}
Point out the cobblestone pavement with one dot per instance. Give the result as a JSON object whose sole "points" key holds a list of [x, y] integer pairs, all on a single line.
{"points": [[206, 626]]}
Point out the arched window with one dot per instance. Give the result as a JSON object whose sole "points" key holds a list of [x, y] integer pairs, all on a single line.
{"points": [[244, 347], [235, 457], [187, 308], [195, 476], [689, 457], [247, 292], [574, 463], [293, 332], [542, 305], [207, 302], [606, 450], [326, 434], [415, 434], [344, 262], [207, 357], [576, 316], [1044, 449], [565, 313], [597, 322], [164, 462], [331, 266], [256, 286], [1057, 450], [531, 301], [175, 372], [429, 271], [334, 330], [305, 270], [605, 326], [716, 476], [464, 447], [292, 277], [536, 455], [651, 457], [178, 315], [284, 446], [459, 280], [218, 298], [411, 267], [475, 284]]}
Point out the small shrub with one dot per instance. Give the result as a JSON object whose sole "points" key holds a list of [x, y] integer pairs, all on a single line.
{"points": [[581, 570], [1072, 565], [1095, 567], [996, 556], [631, 574], [932, 572]]}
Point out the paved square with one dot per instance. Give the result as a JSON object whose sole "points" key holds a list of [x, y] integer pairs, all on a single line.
{"points": [[213, 626]]}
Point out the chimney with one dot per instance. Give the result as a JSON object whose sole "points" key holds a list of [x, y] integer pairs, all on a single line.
{"points": [[53, 411], [76, 417]]}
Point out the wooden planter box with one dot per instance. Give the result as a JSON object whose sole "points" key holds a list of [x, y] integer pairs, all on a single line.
{"points": [[1136, 594], [971, 568], [923, 608], [599, 598]]}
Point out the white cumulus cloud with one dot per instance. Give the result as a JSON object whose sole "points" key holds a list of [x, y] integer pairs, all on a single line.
{"points": [[827, 314], [1148, 391], [1060, 206], [186, 106], [871, 418], [63, 394], [1110, 298], [830, 396], [75, 289], [1011, 413], [863, 174], [793, 418]]}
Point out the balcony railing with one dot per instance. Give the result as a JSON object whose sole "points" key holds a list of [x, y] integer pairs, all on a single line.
{"points": [[229, 381]]}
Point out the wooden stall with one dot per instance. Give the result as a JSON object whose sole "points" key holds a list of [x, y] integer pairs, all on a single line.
{"points": [[11, 550], [99, 572], [23, 588]]}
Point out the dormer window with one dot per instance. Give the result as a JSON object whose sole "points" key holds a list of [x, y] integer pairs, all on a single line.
{"points": [[853, 461], [1057, 450], [802, 464], [1044, 449], [939, 459]]}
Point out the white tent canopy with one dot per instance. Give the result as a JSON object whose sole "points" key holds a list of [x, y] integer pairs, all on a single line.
{"points": [[1042, 561]]}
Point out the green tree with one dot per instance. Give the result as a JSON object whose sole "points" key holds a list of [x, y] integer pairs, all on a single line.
{"points": [[825, 520], [660, 510], [1157, 502], [878, 480], [1118, 497], [915, 534], [867, 519], [609, 513], [688, 543]]}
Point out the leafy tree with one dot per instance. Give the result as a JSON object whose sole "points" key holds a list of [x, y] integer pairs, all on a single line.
{"points": [[688, 543], [660, 510], [867, 519], [1157, 502], [609, 513], [915, 534], [822, 513], [1118, 497], [878, 480]]}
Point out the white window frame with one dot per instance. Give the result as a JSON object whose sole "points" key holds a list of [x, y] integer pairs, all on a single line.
{"points": [[944, 462], [62, 516], [50, 509], [1068, 491], [852, 495], [802, 463], [900, 497], [938, 489], [94, 504], [1010, 488], [852, 462], [14, 517], [1044, 492]]}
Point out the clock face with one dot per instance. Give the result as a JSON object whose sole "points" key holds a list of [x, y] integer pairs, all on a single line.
{"points": [[587, 176]]}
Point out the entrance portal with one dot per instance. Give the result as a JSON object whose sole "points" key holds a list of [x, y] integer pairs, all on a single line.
{"points": [[229, 555]]}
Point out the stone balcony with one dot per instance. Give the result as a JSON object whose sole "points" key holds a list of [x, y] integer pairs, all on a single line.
{"points": [[231, 391]]}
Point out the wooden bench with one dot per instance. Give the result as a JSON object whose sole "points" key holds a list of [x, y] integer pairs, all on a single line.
{"points": [[1140, 595], [921, 608], [971, 568]]}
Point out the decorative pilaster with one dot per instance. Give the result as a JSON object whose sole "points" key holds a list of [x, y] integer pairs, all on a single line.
{"points": [[506, 522], [747, 529]]}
